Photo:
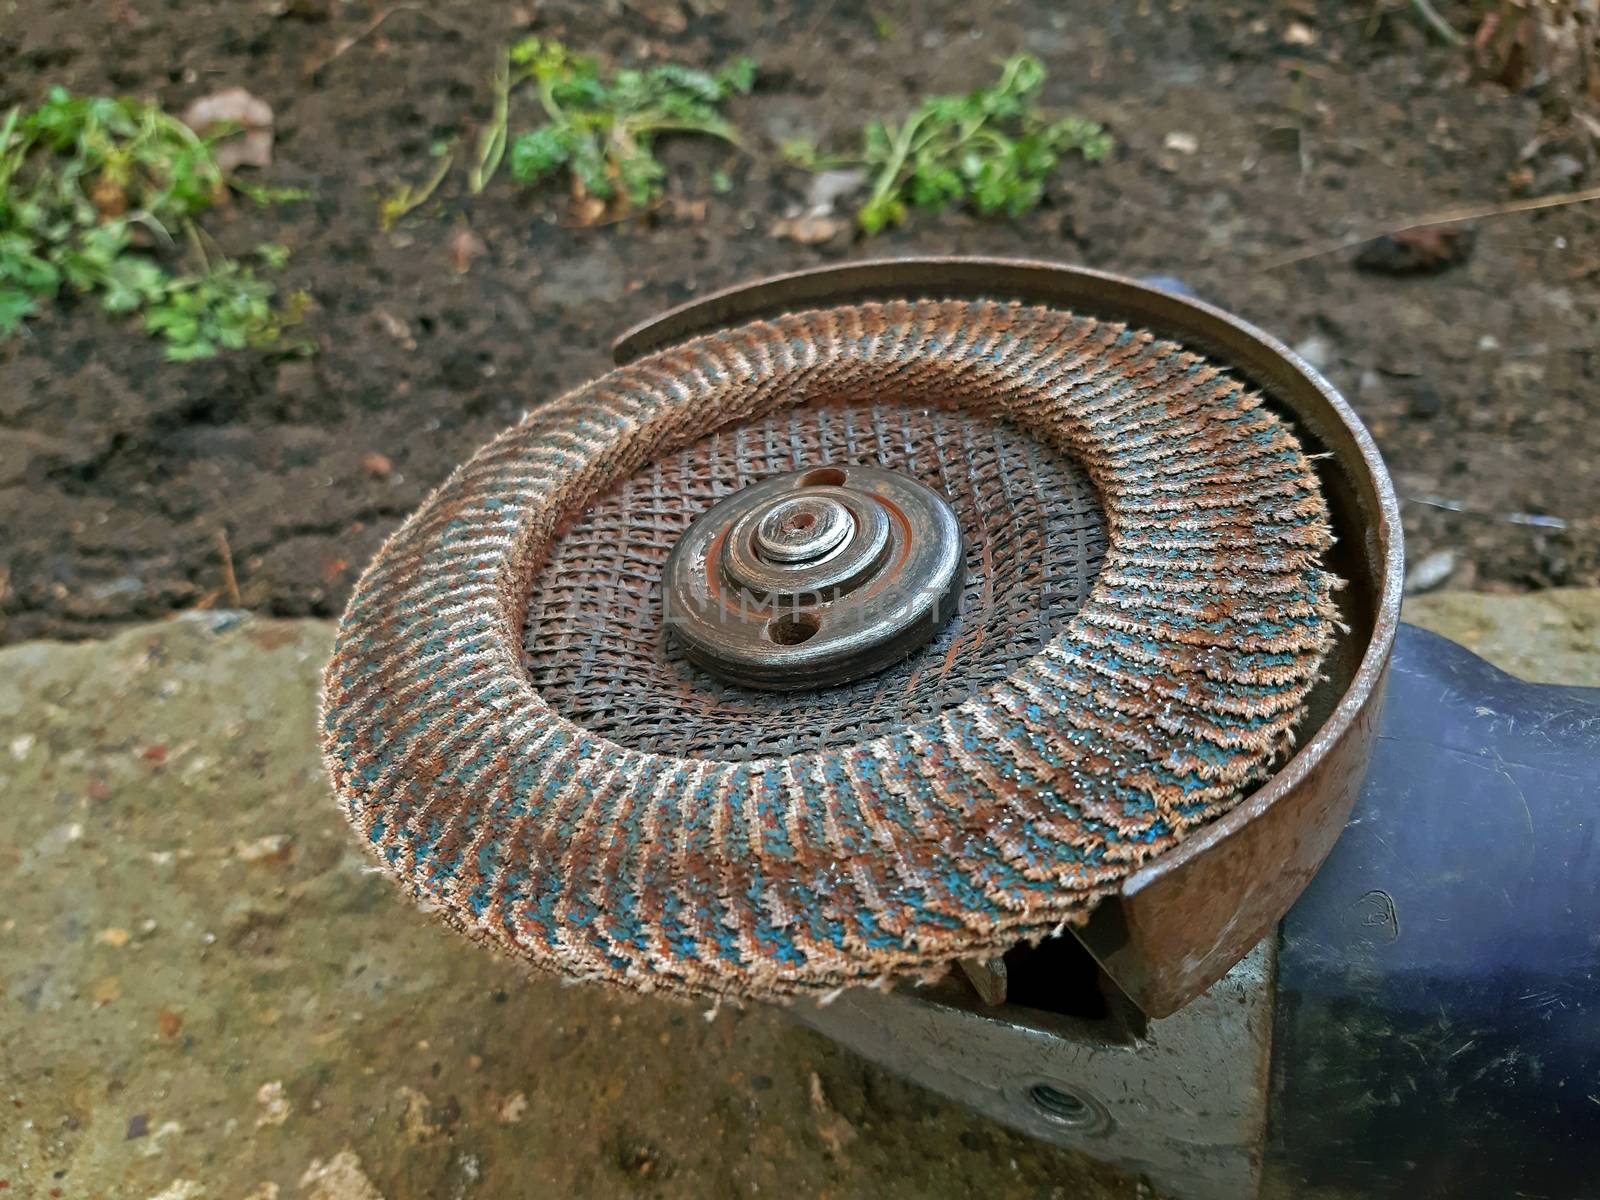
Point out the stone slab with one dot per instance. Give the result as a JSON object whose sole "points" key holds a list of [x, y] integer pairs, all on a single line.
{"points": [[205, 993]]}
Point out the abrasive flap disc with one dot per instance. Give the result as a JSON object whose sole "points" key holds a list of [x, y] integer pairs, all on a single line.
{"points": [[1140, 613]]}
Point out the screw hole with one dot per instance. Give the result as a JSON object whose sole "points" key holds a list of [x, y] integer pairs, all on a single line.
{"points": [[823, 477], [1061, 1105], [801, 522], [793, 629]]}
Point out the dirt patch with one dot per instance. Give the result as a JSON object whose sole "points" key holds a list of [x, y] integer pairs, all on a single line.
{"points": [[1241, 137]]}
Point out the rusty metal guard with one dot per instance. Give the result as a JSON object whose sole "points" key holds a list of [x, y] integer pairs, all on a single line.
{"points": [[551, 786]]}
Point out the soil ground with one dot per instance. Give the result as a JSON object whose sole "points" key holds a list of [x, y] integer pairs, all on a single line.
{"points": [[120, 474]]}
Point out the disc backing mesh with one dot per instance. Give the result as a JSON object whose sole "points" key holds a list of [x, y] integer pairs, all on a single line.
{"points": [[597, 650]]}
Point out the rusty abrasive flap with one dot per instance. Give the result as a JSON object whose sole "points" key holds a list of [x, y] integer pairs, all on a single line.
{"points": [[517, 741]]}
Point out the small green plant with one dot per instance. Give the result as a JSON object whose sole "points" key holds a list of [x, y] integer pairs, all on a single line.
{"points": [[98, 196], [992, 149], [598, 129], [393, 208]]}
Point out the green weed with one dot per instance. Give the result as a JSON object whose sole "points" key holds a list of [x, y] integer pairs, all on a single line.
{"points": [[598, 128], [394, 207], [992, 149], [98, 196]]}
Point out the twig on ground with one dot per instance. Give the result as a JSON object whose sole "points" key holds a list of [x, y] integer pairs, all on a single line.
{"points": [[1537, 520], [230, 582], [1430, 16], [371, 27], [1450, 217]]}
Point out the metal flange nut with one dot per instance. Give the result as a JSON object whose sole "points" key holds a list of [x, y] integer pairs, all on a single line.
{"points": [[815, 577]]}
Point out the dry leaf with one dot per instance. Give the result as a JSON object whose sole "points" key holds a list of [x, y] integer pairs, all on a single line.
{"points": [[1424, 251], [109, 197], [396, 328], [688, 210], [465, 247], [588, 210], [1300, 34], [234, 108], [809, 230]]}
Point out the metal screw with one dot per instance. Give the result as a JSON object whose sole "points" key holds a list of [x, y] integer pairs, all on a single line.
{"points": [[1064, 1106]]}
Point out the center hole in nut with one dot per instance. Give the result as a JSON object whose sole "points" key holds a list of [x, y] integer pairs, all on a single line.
{"points": [[801, 522], [793, 628]]}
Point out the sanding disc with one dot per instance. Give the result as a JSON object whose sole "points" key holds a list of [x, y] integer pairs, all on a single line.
{"points": [[519, 740]]}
